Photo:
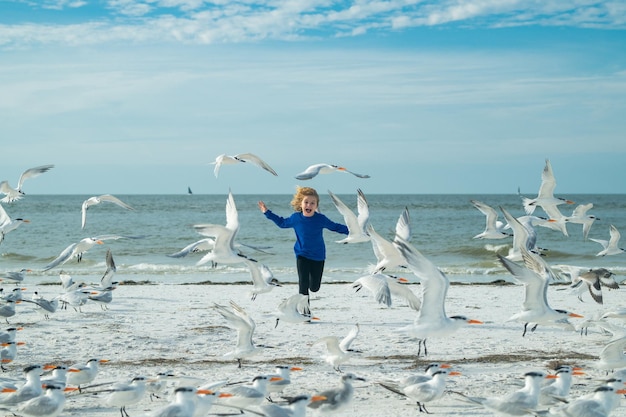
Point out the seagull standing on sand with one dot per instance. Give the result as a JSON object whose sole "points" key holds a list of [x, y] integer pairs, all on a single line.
{"points": [[431, 320], [337, 399], [123, 394], [239, 320], [92, 201], [425, 391], [356, 223], [518, 403], [284, 373], [14, 194], [610, 247], [244, 396], [313, 170], [599, 404], [240, 158], [84, 374], [558, 391], [30, 389], [17, 276], [50, 404]]}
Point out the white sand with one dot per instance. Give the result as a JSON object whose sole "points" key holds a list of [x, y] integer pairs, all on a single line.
{"points": [[153, 328]]}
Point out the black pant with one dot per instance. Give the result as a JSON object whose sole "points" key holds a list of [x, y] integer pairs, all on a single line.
{"points": [[309, 274]]}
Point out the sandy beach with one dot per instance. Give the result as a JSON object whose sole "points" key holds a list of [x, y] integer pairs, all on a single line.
{"points": [[154, 328]]}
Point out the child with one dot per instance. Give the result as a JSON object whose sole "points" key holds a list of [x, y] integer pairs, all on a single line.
{"points": [[309, 248]]}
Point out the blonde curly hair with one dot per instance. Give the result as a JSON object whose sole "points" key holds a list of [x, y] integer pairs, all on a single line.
{"points": [[302, 192]]}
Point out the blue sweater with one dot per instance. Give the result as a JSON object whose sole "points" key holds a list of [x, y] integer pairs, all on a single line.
{"points": [[309, 232]]}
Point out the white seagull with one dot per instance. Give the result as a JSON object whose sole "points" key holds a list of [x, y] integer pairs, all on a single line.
{"points": [[243, 396], [610, 247], [50, 404], [80, 374], [79, 248], [263, 280], [356, 223], [535, 275], [494, 229], [7, 224], [289, 310], [284, 373], [183, 405], [17, 276], [239, 320], [599, 404], [518, 403], [545, 197], [338, 351], [387, 254], [92, 201], [240, 158], [123, 394], [30, 389], [224, 249], [524, 235], [580, 216], [14, 194], [383, 286], [425, 391], [316, 169], [612, 355], [431, 320], [558, 391]]}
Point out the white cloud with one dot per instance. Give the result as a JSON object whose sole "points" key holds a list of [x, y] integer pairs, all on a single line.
{"points": [[198, 21]]}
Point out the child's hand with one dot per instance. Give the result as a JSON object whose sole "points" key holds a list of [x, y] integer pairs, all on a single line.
{"points": [[262, 206]]}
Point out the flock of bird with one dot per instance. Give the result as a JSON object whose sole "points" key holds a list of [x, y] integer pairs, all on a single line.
{"points": [[191, 398]]}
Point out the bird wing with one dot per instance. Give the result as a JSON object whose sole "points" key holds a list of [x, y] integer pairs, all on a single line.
{"points": [[32, 173], [548, 182], [62, 258], [248, 157], [311, 172], [112, 199], [4, 217], [614, 237], [403, 228], [198, 246], [404, 292], [376, 284], [434, 282], [345, 343], [232, 217]]}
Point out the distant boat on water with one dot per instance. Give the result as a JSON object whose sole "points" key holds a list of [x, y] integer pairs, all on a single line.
{"points": [[189, 190]]}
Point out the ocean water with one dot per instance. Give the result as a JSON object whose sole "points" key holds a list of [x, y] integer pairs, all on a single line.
{"points": [[442, 226]]}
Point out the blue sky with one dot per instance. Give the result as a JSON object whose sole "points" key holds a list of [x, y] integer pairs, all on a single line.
{"points": [[129, 96]]}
